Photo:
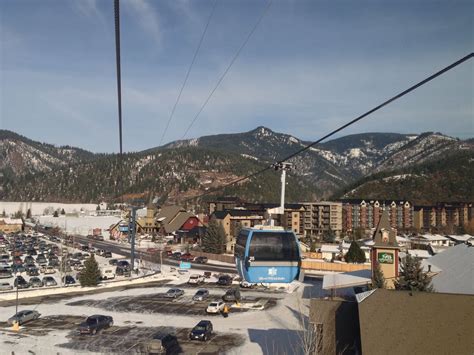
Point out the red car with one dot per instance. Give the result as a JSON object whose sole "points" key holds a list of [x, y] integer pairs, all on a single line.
{"points": [[187, 257]]}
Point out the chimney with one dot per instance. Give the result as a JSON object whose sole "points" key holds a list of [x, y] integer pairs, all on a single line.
{"points": [[429, 267]]}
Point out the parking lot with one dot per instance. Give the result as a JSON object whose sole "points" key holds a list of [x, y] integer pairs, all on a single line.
{"points": [[35, 257], [129, 338]]}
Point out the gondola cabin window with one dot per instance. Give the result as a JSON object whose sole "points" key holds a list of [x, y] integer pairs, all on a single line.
{"points": [[273, 247]]}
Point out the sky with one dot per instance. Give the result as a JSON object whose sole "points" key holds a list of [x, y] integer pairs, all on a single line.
{"points": [[309, 67]]}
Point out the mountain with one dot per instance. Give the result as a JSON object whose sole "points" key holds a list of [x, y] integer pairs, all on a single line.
{"points": [[447, 179], [20, 155], [186, 168]]}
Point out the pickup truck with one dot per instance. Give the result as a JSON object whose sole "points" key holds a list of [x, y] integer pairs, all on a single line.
{"points": [[95, 323]]}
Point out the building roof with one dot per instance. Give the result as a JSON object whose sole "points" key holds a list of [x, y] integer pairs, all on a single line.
{"points": [[7, 220], [330, 248], [419, 253], [172, 225], [457, 272], [433, 237], [404, 322], [460, 238], [385, 236], [236, 213], [169, 212], [332, 281]]}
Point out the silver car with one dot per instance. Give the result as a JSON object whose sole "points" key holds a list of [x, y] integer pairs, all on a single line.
{"points": [[174, 293], [23, 317], [201, 295], [49, 281]]}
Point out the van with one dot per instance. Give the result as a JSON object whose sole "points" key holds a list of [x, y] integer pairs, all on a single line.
{"points": [[107, 273]]}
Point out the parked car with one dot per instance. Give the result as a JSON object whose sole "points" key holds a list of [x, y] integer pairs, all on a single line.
{"points": [[95, 323], [119, 271], [47, 270], [20, 282], [201, 259], [196, 279], [107, 273], [224, 280], [36, 282], [174, 293], [246, 284], [201, 295], [49, 281], [107, 254], [202, 331], [18, 269], [231, 295], [113, 262], [215, 307], [5, 286], [68, 280], [124, 264], [176, 255], [186, 257], [23, 316], [5, 273]]}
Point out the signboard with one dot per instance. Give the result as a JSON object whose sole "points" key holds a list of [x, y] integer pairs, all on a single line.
{"points": [[385, 258], [184, 265], [123, 228]]}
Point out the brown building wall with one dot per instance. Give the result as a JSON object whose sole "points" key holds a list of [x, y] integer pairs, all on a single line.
{"points": [[336, 322], [403, 322]]}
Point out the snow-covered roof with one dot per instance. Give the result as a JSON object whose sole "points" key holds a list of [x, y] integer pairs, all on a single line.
{"points": [[433, 237], [330, 248], [461, 238], [331, 281], [401, 239], [438, 249], [419, 253], [11, 220], [457, 272]]}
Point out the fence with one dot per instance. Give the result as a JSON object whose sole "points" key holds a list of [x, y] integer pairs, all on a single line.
{"points": [[306, 264]]}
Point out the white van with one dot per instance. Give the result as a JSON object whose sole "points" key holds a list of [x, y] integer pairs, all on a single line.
{"points": [[107, 273]]}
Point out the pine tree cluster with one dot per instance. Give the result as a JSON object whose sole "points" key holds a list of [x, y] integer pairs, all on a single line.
{"points": [[412, 277]]}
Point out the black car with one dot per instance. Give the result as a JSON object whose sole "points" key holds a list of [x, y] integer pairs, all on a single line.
{"points": [[20, 282], [224, 280], [113, 262], [107, 254], [69, 280], [95, 323], [201, 260], [32, 271], [202, 331], [231, 295]]}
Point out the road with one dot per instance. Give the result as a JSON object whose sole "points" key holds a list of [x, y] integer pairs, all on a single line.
{"points": [[124, 250]]}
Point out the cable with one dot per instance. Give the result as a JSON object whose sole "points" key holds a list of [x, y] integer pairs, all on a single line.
{"points": [[269, 3], [119, 89], [188, 72], [394, 98]]}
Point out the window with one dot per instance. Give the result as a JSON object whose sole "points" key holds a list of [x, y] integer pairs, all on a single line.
{"points": [[266, 246], [241, 243]]}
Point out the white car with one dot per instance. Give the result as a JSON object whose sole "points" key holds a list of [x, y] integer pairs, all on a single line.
{"points": [[196, 279], [215, 307]]}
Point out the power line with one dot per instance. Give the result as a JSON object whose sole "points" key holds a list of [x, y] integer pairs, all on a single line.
{"points": [[355, 120], [188, 72], [249, 35]]}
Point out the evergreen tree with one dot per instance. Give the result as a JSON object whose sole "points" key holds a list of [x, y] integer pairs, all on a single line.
{"points": [[91, 274], [378, 280], [28, 213], [63, 212], [329, 236], [4, 214], [355, 254], [56, 214], [214, 239], [412, 276]]}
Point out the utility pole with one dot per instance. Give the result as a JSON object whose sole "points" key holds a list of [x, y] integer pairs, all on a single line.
{"points": [[284, 167], [132, 224]]}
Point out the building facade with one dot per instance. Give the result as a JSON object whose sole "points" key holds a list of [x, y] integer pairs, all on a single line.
{"points": [[365, 215], [320, 217], [11, 225], [443, 215]]}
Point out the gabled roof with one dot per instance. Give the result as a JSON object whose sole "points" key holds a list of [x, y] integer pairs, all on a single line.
{"points": [[330, 248], [169, 212], [419, 253], [433, 237], [457, 272], [385, 236], [176, 222]]}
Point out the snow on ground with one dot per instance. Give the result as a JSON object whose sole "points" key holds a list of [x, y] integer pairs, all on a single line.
{"points": [[37, 208], [265, 331], [80, 225]]}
